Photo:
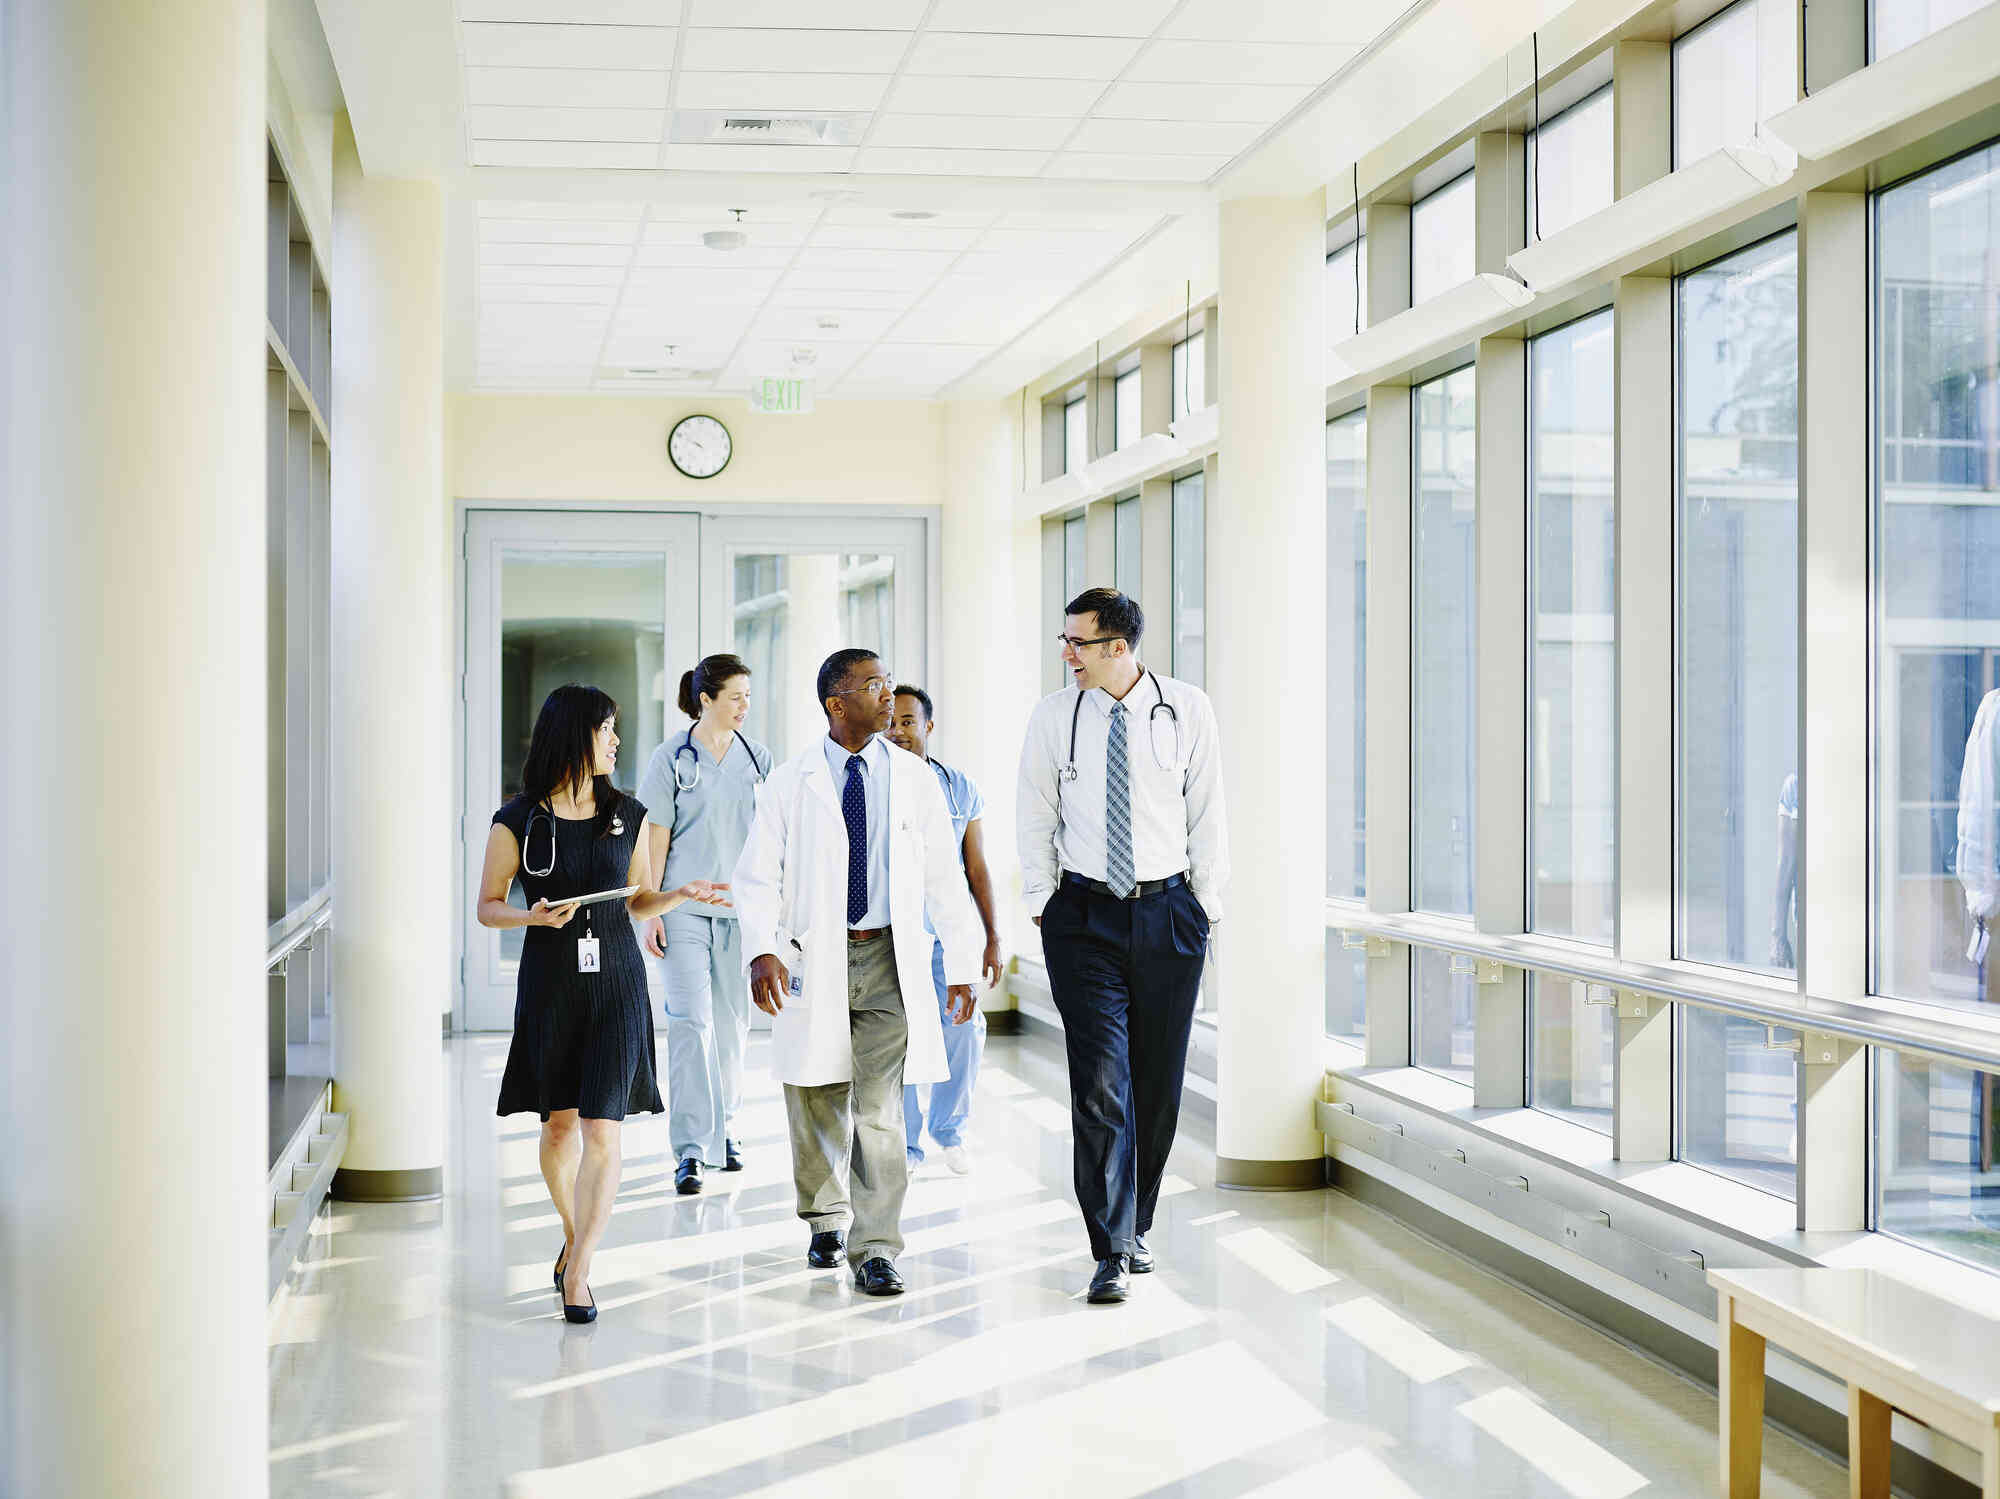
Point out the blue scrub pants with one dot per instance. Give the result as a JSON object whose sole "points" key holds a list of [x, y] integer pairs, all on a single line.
{"points": [[708, 1027], [951, 1101]]}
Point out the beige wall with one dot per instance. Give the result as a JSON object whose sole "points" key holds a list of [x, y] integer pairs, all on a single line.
{"points": [[535, 447]]}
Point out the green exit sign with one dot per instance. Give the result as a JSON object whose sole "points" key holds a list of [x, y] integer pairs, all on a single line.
{"points": [[781, 397]]}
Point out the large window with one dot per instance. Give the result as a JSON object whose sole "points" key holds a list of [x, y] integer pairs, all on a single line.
{"points": [[1347, 290], [1443, 1014], [1190, 375], [1347, 655], [1076, 434], [1937, 1156], [1569, 166], [1190, 578], [1441, 240], [1894, 24], [1346, 990], [1076, 571], [1572, 1038], [1717, 97], [1738, 1109], [1125, 409], [1737, 638], [1572, 657], [1937, 558], [1128, 561], [1444, 621]]}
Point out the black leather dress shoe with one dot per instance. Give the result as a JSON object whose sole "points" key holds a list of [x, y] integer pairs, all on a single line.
{"points": [[732, 1158], [687, 1178], [1142, 1257], [1112, 1282], [877, 1277], [827, 1250]]}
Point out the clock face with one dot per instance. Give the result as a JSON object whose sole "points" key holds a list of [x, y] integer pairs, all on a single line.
{"points": [[699, 446]]}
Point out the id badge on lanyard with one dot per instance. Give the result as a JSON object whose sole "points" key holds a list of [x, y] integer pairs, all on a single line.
{"points": [[587, 956]]}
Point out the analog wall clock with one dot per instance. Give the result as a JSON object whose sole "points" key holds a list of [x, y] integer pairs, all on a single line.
{"points": [[699, 446]]}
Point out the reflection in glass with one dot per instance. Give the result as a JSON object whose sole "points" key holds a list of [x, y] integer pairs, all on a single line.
{"points": [[1937, 585], [1441, 240], [1937, 1131], [1190, 551], [1571, 1044], [1347, 290], [790, 612], [596, 618], [1894, 24], [1076, 435], [1738, 1112], [1716, 96], [1442, 1009], [1737, 636], [1572, 656], [1125, 409], [1347, 655], [1444, 690], [1568, 173], [1190, 375], [1346, 990], [1128, 560]]}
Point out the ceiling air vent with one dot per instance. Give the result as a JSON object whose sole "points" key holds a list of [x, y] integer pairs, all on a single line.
{"points": [[741, 128]]}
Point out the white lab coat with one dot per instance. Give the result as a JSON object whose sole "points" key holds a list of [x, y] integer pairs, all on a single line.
{"points": [[1978, 817], [790, 892]]}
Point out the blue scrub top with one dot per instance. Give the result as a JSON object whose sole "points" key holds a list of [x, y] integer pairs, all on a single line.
{"points": [[961, 795], [710, 821]]}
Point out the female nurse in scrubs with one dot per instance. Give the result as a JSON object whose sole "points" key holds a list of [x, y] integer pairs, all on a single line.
{"points": [[701, 787]]}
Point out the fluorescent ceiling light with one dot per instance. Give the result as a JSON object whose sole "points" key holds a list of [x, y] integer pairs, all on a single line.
{"points": [[1444, 320], [1945, 64], [1653, 215]]}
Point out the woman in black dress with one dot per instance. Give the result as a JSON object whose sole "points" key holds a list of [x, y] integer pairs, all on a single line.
{"points": [[582, 1053]]}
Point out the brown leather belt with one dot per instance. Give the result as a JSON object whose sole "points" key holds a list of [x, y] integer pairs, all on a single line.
{"points": [[867, 936]]}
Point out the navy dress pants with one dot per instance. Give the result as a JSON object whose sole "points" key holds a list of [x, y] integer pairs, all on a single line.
{"points": [[1126, 975]]}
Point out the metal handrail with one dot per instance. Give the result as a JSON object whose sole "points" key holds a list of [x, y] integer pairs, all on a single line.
{"points": [[298, 927], [1963, 1040]]}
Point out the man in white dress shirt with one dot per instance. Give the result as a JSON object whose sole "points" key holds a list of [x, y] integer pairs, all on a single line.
{"points": [[1123, 860]]}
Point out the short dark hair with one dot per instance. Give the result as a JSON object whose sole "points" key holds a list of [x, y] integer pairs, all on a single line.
{"points": [[833, 671], [1117, 613], [930, 713]]}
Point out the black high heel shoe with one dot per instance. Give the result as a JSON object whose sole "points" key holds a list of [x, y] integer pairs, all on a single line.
{"points": [[579, 1314], [562, 1259]]}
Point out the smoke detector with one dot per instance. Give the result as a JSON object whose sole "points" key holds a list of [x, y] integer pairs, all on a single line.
{"points": [[912, 213], [727, 239], [829, 323]]}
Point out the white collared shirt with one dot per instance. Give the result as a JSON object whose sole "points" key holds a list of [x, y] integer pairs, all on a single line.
{"points": [[874, 757], [1176, 778]]}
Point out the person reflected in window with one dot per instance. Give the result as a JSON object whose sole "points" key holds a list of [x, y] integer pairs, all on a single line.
{"points": [[701, 787], [582, 1052], [910, 728], [1785, 904]]}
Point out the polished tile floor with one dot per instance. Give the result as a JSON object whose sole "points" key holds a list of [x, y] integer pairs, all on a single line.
{"points": [[1291, 1345]]}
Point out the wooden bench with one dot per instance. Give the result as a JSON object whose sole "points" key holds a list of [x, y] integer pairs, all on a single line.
{"points": [[1898, 1347]]}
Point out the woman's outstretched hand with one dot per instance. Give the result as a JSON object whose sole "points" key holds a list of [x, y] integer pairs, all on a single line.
{"points": [[708, 892]]}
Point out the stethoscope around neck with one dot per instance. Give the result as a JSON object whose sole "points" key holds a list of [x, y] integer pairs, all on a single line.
{"points": [[687, 748], [1160, 705]]}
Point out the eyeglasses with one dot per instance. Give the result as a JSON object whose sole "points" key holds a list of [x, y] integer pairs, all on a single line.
{"points": [[1076, 645], [873, 687]]}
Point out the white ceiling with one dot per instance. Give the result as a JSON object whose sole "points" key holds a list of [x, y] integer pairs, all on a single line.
{"points": [[1044, 141]]}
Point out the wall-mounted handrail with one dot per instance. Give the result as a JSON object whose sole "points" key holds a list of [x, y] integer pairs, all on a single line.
{"points": [[298, 927]]}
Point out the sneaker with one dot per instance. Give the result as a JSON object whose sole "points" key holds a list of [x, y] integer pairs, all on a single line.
{"points": [[958, 1159]]}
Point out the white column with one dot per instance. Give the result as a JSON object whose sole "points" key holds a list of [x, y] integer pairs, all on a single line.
{"points": [[813, 631], [132, 1217], [1390, 534], [392, 687], [1267, 676]]}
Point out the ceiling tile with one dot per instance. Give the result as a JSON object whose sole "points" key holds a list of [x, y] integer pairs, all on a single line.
{"points": [[579, 12], [847, 299], [745, 50], [589, 155], [763, 236], [701, 258], [1060, 97], [919, 265], [892, 236], [1259, 104], [986, 55], [802, 324], [717, 158], [1078, 244], [922, 163], [976, 131], [487, 45], [617, 255], [760, 357], [833, 281], [854, 15], [1028, 270], [782, 93], [1239, 62], [1101, 167], [1078, 221], [651, 282], [1354, 22], [919, 364], [1165, 137], [487, 122], [503, 295], [567, 88], [510, 208], [556, 232], [550, 275], [1056, 17], [882, 214]]}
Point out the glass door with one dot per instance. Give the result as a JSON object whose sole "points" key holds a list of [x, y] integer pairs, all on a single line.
{"points": [[554, 597]]}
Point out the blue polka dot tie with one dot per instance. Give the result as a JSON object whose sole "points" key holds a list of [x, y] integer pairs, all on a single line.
{"points": [[854, 806]]}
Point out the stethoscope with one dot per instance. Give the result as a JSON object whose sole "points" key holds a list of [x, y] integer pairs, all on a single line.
{"points": [[687, 748], [548, 815], [1068, 771], [958, 813]]}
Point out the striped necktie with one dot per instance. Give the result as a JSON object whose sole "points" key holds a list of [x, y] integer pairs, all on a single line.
{"points": [[1117, 809]]}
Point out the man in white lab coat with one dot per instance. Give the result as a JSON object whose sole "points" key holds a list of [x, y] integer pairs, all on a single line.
{"points": [[851, 843]]}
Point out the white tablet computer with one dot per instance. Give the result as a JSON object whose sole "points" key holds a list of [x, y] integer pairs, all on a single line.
{"points": [[591, 900]]}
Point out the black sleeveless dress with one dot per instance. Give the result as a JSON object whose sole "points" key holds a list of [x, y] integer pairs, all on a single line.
{"points": [[582, 1041]]}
